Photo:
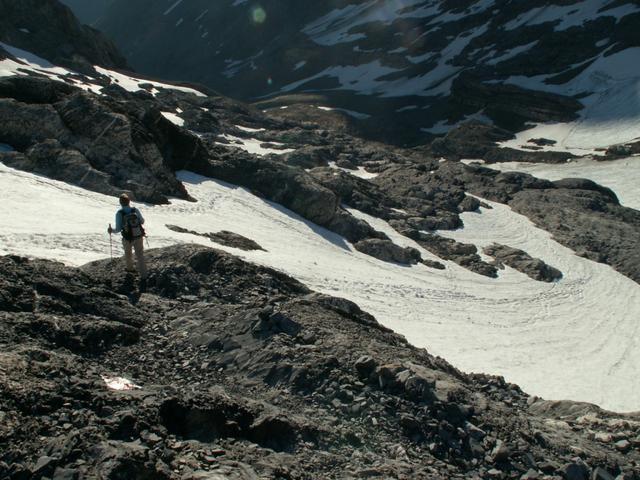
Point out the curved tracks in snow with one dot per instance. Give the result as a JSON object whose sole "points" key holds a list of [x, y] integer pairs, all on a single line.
{"points": [[575, 339]]}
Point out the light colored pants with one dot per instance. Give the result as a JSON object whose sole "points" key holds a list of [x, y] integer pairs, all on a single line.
{"points": [[136, 244]]}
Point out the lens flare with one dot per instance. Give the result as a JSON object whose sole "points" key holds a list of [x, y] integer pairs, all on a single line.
{"points": [[258, 15]]}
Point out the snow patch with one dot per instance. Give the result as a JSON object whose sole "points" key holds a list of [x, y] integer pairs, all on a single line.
{"points": [[132, 84], [360, 172], [173, 118], [172, 7], [253, 145], [249, 129], [201, 16], [119, 383], [28, 62], [568, 16], [359, 78], [407, 108], [512, 53]]}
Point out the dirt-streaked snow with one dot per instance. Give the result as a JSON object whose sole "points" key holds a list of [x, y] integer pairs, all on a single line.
{"points": [[577, 338]]}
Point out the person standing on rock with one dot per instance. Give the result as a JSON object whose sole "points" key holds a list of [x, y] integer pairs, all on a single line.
{"points": [[129, 222]]}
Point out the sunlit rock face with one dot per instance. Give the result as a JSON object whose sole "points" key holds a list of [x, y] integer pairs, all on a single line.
{"points": [[414, 67]]}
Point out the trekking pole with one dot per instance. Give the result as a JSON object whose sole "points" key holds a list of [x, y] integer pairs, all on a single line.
{"points": [[110, 243]]}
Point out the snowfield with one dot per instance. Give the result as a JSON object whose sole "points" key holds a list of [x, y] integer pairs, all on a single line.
{"points": [[575, 339]]}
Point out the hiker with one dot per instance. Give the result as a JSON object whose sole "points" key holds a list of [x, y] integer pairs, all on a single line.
{"points": [[129, 221]]}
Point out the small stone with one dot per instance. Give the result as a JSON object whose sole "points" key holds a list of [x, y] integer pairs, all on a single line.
{"points": [[623, 445], [501, 452], [476, 447], [365, 365], [152, 438], [409, 423], [65, 474], [530, 474], [575, 471], [474, 431], [602, 437], [43, 465], [601, 474]]}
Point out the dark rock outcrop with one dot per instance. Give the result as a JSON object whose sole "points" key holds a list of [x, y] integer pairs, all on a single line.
{"points": [[464, 254], [229, 239], [523, 262], [511, 105], [51, 31], [387, 251], [479, 140], [91, 141]]}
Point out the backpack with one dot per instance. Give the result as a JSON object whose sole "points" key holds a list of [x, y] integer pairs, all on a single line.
{"points": [[131, 226]]}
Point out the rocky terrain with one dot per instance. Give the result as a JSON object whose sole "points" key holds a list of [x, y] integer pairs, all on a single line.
{"points": [[240, 372]]}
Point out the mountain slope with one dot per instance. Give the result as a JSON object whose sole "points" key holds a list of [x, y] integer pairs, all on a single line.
{"points": [[389, 212], [88, 12], [406, 69], [226, 370]]}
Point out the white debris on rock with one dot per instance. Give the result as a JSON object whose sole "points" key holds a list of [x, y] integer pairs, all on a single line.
{"points": [[119, 383]]}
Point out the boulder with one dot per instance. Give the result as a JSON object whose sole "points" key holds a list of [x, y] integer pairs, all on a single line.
{"points": [[523, 262], [387, 251]]}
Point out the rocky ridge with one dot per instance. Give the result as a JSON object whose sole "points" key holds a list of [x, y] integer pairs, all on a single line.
{"points": [[239, 372], [50, 30]]}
